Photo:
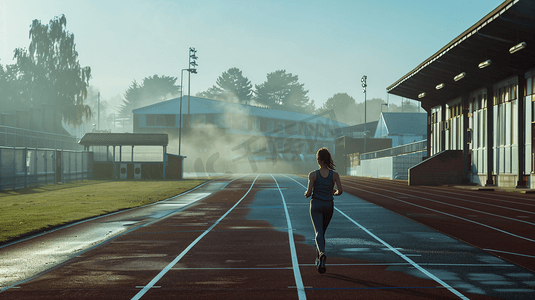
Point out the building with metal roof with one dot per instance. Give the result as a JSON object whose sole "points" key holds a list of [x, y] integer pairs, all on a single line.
{"points": [[224, 136], [123, 139], [478, 92], [144, 156], [402, 128]]}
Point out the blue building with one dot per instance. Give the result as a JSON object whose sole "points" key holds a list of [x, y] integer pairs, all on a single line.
{"points": [[221, 136], [402, 128]]}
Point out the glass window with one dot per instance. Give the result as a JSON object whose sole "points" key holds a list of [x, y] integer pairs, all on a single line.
{"points": [[160, 120], [270, 126], [256, 124], [280, 127], [170, 120], [150, 120]]}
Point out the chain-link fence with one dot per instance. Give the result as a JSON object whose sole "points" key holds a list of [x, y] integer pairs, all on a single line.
{"points": [[23, 167]]}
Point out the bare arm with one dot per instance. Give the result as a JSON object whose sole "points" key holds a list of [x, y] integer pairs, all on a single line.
{"points": [[311, 179], [340, 190]]}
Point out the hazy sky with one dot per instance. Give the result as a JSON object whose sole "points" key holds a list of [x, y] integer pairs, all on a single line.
{"points": [[328, 44]]}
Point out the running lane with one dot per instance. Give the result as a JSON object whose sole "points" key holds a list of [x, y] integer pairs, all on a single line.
{"points": [[498, 222], [373, 252]]}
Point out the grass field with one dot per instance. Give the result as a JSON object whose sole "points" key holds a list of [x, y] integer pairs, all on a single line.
{"points": [[30, 210]]}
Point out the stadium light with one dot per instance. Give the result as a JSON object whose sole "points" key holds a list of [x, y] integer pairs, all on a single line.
{"points": [[517, 47], [460, 76], [192, 64], [364, 85], [485, 64]]}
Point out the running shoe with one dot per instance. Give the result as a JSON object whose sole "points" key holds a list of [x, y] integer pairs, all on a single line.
{"points": [[321, 264]]}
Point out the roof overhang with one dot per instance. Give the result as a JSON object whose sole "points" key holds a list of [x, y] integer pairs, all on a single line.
{"points": [[491, 38], [124, 139]]}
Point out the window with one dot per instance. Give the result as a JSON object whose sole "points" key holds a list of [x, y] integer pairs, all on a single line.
{"points": [[256, 124], [150, 120], [160, 120], [280, 127], [294, 128], [239, 122], [199, 120], [220, 120], [270, 126]]}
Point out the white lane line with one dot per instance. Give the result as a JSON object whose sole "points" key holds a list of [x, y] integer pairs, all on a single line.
{"points": [[458, 206], [450, 215], [179, 257], [279, 268], [295, 264], [421, 264], [512, 253], [436, 279]]}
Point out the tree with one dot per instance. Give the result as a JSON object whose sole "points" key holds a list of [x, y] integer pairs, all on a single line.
{"points": [[5, 90], [282, 90], [344, 107], [231, 86], [157, 89], [152, 90], [373, 110], [51, 73], [406, 106]]}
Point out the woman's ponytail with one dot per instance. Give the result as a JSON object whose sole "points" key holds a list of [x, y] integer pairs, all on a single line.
{"points": [[324, 156]]}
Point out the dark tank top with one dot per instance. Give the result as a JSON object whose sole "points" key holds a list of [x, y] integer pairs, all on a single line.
{"points": [[323, 187]]}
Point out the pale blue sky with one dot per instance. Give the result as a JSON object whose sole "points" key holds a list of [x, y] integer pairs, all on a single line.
{"points": [[328, 44]]}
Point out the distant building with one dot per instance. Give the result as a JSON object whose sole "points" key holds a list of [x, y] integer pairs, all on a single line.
{"points": [[402, 128], [357, 131], [229, 137]]}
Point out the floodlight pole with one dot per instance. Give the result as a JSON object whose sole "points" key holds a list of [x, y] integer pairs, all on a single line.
{"points": [[180, 118], [364, 85], [191, 69], [98, 112]]}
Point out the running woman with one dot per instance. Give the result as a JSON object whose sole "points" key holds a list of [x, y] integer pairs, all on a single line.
{"points": [[321, 188]]}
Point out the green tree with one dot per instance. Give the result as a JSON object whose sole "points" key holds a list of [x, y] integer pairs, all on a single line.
{"points": [[282, 90], [5, 89], [157, 89], [373, 110], [50, 71], [405, 106], [344, 107], [152, 90], [231, 86]]}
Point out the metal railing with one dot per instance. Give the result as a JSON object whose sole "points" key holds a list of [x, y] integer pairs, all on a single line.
{"points": [[19, 137], [399, 150], [23, 167]]}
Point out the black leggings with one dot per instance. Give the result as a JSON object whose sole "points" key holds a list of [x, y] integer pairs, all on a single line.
{"points": [[321, 212]]}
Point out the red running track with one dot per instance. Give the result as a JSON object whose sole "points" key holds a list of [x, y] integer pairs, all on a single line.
{"points": [[213, 251], [499, 222]]}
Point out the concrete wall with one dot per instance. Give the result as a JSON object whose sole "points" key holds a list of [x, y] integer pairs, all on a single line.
{"points": [[393, 167], [444, 168]]}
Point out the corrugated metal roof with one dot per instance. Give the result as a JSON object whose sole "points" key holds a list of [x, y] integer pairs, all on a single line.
{"points": [[209, 106], [405, 123], [491, 38], [124, 139]]}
